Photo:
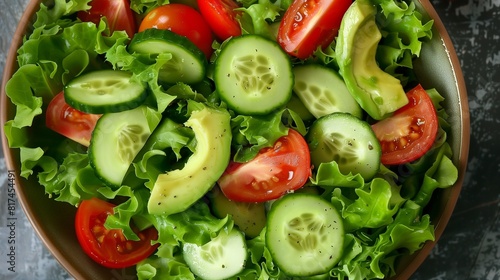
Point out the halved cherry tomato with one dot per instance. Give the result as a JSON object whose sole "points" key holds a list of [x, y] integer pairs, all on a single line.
{"points": [[107, 247], [272, 173], [69, 122], [221, 16], [308, 24], [410, 132], [118, 13], [183, 20]]}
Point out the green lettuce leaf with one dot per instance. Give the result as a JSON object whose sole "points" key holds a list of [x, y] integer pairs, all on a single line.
{"points": [[164, 151], [374, 206], [252, 133], [54, 15], [328, 176], [374, 257], [258, 18]]}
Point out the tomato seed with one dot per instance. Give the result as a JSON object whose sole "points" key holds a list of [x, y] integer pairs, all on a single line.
{"points": [[129, 246], [414, 136], [100, 239], [97, 229], [278, 145], [403, 142]]}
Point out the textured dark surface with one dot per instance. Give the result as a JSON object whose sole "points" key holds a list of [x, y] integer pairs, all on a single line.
{"points": [[469, 247]]}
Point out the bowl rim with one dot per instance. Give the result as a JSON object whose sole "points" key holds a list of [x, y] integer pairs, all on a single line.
{"points": [[439, 226], [416, 259]]}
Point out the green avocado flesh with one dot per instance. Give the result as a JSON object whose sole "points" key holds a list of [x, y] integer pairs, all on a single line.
{"points": [[177, 190], [377, 92]]}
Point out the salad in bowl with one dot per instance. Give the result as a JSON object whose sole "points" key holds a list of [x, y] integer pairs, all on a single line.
{"points": [[248, 139]]}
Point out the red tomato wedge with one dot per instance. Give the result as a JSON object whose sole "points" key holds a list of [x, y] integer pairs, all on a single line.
{"points": [[109, 247], [118, 13], [221, 16], [272, 173], [410, 132], [308, 24], [69, 122], [183, 20]]}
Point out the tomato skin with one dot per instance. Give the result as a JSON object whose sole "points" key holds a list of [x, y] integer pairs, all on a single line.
{"points": [[70, 122], [120, 16], [410, 132], [221, 17], [308, 24], [103, 245], [272, 173], [183, 20]]}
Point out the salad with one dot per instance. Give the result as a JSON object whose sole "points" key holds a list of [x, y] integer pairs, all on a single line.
{"points": [[221, 139]]}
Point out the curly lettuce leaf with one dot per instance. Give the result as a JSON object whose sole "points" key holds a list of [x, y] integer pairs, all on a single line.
{"points": [[328, 176], [132, 211], [258, 18], [55, 13], [374, 206], [252, 133], [374, 257], [163, 151], [71, 181]]}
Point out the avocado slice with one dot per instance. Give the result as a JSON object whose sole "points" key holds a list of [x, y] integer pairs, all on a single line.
{"points": [[177, 190], [376, 91]]}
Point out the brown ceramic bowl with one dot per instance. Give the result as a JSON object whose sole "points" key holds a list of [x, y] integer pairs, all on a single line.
{"points": [[438, 67]]}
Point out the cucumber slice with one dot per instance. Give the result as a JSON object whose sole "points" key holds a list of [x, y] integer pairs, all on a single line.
{"points": [[296, 105], [253, 75], [323, 91], [116, 140], [347, 140], [305, 234], [221, 258], [188, 64], [105, 91]]}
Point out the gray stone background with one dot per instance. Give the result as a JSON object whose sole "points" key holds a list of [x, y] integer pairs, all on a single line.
{"points": [[470, 245]]}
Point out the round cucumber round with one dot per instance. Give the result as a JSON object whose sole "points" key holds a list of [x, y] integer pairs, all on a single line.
{"points": [[305, 234], [221, 258], [253, 75], [188, 63], [105, 91], [347, 140]]}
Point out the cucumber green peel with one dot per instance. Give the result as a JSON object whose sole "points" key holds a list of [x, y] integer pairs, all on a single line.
{"points": [[305, 234], [187, 63], [105, 91], [253, 75]]}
